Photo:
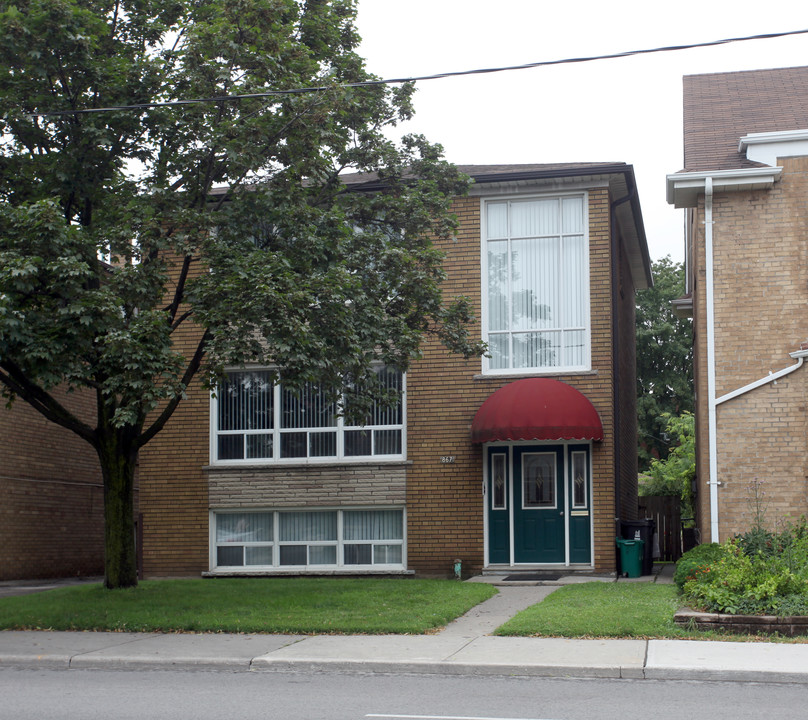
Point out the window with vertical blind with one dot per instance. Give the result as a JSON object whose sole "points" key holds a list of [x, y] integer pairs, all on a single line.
{"points": [[256, 421], [308, 539], [535, 251]]}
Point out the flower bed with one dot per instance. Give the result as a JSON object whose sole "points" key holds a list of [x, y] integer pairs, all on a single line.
{"points": [[754, 583]]}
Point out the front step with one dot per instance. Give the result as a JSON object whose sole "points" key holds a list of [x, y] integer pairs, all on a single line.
{"points": [[509, 576]]}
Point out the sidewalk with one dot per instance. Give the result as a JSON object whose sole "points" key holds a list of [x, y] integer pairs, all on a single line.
{"points": [[463, 647]]}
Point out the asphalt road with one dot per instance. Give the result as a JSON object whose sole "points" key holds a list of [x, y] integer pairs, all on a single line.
{"points": [[182, 695]]}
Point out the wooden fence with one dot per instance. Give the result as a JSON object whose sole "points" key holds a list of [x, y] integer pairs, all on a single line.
{"points": [[664, 509]]}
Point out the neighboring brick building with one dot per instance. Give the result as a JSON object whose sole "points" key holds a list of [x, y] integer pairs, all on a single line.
{"points": [[52, 512], [745, 187], [259, 481]]}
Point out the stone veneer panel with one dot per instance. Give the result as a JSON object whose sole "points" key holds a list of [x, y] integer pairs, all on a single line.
{"points": [[307, 486]]}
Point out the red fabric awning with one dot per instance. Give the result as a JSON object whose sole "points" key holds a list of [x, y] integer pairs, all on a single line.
{"points": [[536, 409]]}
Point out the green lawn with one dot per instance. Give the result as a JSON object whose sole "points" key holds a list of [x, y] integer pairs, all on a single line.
{"points": [[598, 609], [349, 606], [250, 605], [615, 610]]}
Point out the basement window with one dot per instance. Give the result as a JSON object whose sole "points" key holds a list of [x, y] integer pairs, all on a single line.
{"points": [[308, 539]]}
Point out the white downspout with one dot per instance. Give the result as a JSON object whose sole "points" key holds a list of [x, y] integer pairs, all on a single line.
{"points": [[711, 399], [799, 356]]}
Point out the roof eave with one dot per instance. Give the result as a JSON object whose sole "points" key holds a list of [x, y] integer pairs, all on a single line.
{"points": [[684, 188]]}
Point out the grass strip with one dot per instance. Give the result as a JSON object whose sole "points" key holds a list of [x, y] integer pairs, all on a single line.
{"points": [[250, 605], [598, 609], [641, 610]]}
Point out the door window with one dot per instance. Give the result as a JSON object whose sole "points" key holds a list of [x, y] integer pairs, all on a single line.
{"points": [[499, 485], [578, 460], [539, 480]]}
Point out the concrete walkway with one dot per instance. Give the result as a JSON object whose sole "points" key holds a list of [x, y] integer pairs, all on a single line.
{"points": [[463, 647]]}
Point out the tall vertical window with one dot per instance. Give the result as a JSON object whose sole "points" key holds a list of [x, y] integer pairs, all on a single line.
{"points": [[579, 482], [499, 481], [536, 251], [254, 420], [245, 417]]}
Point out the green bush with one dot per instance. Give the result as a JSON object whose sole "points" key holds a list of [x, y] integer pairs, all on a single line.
{"points": [[757, 540], [739, 583], [700, 556], [757, 573], [790, 545]]}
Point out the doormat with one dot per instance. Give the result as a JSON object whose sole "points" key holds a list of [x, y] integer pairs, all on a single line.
{"points": [[532, 576]]}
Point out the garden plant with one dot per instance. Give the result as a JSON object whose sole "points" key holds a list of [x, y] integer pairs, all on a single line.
{"points": [[759, 572]]}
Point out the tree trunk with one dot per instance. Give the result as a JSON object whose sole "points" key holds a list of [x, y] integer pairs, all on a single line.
{"points": [[118, 461]]}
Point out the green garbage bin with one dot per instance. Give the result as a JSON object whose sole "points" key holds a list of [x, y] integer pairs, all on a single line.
{"points": [[630, 556]]}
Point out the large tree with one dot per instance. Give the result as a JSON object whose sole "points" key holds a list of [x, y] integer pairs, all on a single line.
{"points": [[151, 242], [664, 361]]}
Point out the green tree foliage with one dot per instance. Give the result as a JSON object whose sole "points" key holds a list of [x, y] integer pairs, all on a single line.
{"points": [[289, 265], [664, 360], [675, 474]]}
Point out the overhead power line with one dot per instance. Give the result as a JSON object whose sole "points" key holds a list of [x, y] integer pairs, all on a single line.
{"points": [[419, 78]]}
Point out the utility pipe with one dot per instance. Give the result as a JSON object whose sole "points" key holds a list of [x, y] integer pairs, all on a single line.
{"points": [[711, 400], [799, 356]]}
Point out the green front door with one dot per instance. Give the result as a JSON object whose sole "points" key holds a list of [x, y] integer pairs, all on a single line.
{"points": [[538, 504]]}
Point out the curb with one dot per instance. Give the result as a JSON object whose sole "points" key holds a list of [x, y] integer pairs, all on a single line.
{"points": [[422, 654]]}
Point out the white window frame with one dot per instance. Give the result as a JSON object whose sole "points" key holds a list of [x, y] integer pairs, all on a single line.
{"points": [[341, 428], [495, 459], [585, 504], [586, 366], [339, 543]]}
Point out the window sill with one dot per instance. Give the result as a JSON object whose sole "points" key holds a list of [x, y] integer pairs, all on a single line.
{"points": [[269, 572], [533, 373], [289, 465]]}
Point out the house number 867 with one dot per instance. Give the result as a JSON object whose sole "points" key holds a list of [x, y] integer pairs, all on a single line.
{"points": [[447, 458]]}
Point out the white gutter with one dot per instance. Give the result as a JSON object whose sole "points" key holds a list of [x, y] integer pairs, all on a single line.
{"points": [[713, 482], [684, 188]]}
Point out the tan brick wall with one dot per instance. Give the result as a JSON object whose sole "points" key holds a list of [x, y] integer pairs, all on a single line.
{"points": [[761, 314], [173, 484], [444, 501], [174, 491], [52, 512], [178, 488]]}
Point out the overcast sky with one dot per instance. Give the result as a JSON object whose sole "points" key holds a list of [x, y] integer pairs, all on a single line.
{"points": [[624, 110]]}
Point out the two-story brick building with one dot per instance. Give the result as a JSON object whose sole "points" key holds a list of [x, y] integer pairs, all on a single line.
{"points": [[523, 459], [745, 184]]}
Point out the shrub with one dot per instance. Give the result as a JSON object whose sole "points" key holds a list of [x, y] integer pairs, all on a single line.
{"points": [[696, 560], [741, 583], [758, 540], [758, 573]]}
